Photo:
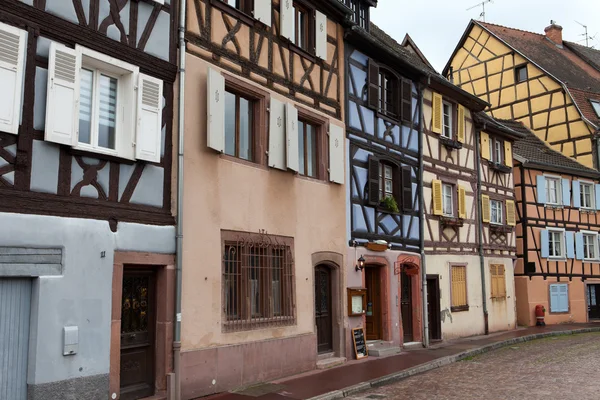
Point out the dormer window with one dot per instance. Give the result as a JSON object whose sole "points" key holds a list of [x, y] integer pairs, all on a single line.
{"points": [[447, 121], [596, 106], [360, 15]]}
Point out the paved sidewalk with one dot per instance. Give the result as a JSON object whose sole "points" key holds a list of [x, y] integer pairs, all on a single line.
{"points": [[358, 375]]}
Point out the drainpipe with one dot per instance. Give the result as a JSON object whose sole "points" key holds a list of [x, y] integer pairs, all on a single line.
{"points": [[480, 231], [422, 225], [179, 237]]}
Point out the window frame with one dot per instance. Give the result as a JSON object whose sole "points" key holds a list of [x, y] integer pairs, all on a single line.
{"points": [[321, 125], [499, 213], [459, 307], [558, 180], [445, 133], [518, 68], [452, 188], [596, 107], [594, 240], [382, 104], [237, 128], [561, 232], [496, 144], [593, 199], [309, 35]]}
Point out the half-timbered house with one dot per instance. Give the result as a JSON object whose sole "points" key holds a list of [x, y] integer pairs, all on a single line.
{"points": [[558, 205], [86, 231], [264, 196]]}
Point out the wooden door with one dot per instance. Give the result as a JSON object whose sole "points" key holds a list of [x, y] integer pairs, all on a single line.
{"points": [[137, 334], [406, 306], [593, 301], [323, 309], [433, 307], [373, 314]]}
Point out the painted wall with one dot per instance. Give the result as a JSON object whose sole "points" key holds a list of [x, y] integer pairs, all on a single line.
{"points": [[502, 313]]}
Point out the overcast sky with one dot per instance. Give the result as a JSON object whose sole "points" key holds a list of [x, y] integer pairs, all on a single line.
{"points": [[437, 25]]}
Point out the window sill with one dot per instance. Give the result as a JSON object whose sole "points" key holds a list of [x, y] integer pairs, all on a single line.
{"points": [[234, 12], [303, 53], [258, 323], [451, 144], [554, 206], [459, 308], [501, 228], [451, 221], [499, 167], [556, 258], [587, 210], [100, 156]]}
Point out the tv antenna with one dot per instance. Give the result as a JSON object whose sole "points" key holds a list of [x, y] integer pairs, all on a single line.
{"points": [[587, 36], [482, 5]]}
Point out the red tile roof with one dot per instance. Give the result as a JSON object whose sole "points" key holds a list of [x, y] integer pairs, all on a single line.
{"points": [[582, 98]]}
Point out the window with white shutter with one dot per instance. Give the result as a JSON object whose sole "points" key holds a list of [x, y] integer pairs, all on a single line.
{"points": [[12, 65], [277, 141], [321, 35], [336, 154], [215, 98], [291, 137], [149, 114]]}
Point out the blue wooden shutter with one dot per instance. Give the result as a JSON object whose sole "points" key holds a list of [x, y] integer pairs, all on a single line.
{"points": [[576, 194], [570, 242], [563, 298], [554, 299], [566, 192], [579, 245], [541, 189], [597, 197], [544, 244]]}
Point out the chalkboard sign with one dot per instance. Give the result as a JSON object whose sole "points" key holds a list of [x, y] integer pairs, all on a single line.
{"points": [[360, 345]]}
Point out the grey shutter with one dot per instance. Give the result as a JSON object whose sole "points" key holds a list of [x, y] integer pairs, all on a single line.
{"points": [[262, 11], [373, 82], [373, 180], [407, 193], [406, 101]]}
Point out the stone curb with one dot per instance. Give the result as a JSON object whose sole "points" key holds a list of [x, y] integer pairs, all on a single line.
{"points": [[440, 362]]}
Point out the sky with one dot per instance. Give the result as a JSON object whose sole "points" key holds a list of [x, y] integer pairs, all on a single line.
{"points": [[436, 26]]}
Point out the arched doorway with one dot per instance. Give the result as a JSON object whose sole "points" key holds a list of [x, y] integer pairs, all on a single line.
{"points": [[323, 309]]}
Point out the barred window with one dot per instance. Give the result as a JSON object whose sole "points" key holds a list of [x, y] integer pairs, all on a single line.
{"points": [[258, 281]]}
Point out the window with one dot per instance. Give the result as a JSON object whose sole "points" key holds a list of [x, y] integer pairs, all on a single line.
{"points": [[590, 246], [97, 109], [496, 212], [447, 125], [521, 73], [447, 194], [390, 185], [556, 244], [239, 135], [386, 181], [243, 5], [307, 149], [553, 191], [587, 195], [458, 290], [596, 106], [302, 27], [363, 16], [258, 281], [387, 88], [496, 150], [498, 281], [559, 297]]}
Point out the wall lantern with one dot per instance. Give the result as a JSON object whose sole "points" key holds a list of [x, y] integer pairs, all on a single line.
{"points": [[361, 264]]}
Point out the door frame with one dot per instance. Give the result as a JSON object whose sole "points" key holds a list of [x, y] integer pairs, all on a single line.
{"points": [[330, 306], [383, 265], [379, 307], [587, 313], [334, 262], [164, 276], [437, 318]]}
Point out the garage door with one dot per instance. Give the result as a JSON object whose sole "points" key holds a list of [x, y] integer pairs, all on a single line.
{"points": [[15, 301]]}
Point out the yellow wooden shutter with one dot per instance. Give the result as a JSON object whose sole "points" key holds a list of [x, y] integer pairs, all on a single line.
{"points": [[493, 280], [436, 186], [461, 124], [436, 124], [485, 208], [462, 203], [501, 281], [511, 217], [459, 286], [508, 160], [485, 146]]}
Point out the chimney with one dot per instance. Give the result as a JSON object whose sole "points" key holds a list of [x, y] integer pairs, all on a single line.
{"points": [[554, 33]]}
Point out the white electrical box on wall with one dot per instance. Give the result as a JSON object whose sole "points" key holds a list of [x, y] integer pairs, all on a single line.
{"points": [[71, 340]]}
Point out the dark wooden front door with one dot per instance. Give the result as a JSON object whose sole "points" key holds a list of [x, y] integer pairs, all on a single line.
{"points": [[406, 306], [137, 334], [593, 301], [433, 307], [373, 285], [323, 309]]}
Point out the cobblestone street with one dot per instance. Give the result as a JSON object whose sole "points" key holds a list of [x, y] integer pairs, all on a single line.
{"points": [[563, 367]]}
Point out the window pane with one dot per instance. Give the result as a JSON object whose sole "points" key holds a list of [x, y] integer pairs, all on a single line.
{"points": [[245, 129], [301, 145], [388, 172], [311, 151], [85, 106], [230, 120], [107, 116]]}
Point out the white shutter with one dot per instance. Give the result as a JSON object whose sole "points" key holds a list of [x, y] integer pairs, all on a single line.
{"points": [[215, 99], [262, 11], [286, 23], [321, 35], [277, 135], [336, 154], [149, 118], [62, 99], [291, 137], [12, 65]]}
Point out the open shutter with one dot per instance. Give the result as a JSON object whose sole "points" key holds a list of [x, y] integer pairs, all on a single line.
{"points": [[437, 114], [579, 246], [544, 243], [321, 35], [508, 158], [215, 99], [291, 137], [373, 92], [407, 101], [597, 190], [286, 15], [438, 206], [407, 193], [485, 145], [262, 11], [570, 244], [576, 194], [373, 180], [460, 136], [485, 208], [566, 192], [149, 118], [12, 65], [62, 101], [541, 189], [462, 203], [277, 134], [336, 154], [511, 214], [563, 298]]}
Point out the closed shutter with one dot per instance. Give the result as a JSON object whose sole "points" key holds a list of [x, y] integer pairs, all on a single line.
{"points": [[563, 298], [12, 65], [511, 214], [438, 203], [579, 254], [459, 286], [541, 189], [373, 92], [437, 114], [336, 154], [494, 279], [62, 98], [485, 208], [500, 281], [277, 134], [462, 203], [570, 244], [215, 99], [576, 194], [407, 192], [286, 15], [554, 299], [460, 136], [149, 114], [262, 11], [566, 192], [544, 243], [485, 145], [407, 101], [291, 137], [321, 35], [373, 180], [508, 159]]}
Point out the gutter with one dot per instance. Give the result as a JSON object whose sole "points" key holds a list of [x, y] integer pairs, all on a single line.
{"points": [[480, 232], [422, 227]]}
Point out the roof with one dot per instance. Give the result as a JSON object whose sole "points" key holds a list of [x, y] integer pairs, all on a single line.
{"points": [[503, 126], [590, 55], [583, 100], [409, 43], [533, 151]]}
